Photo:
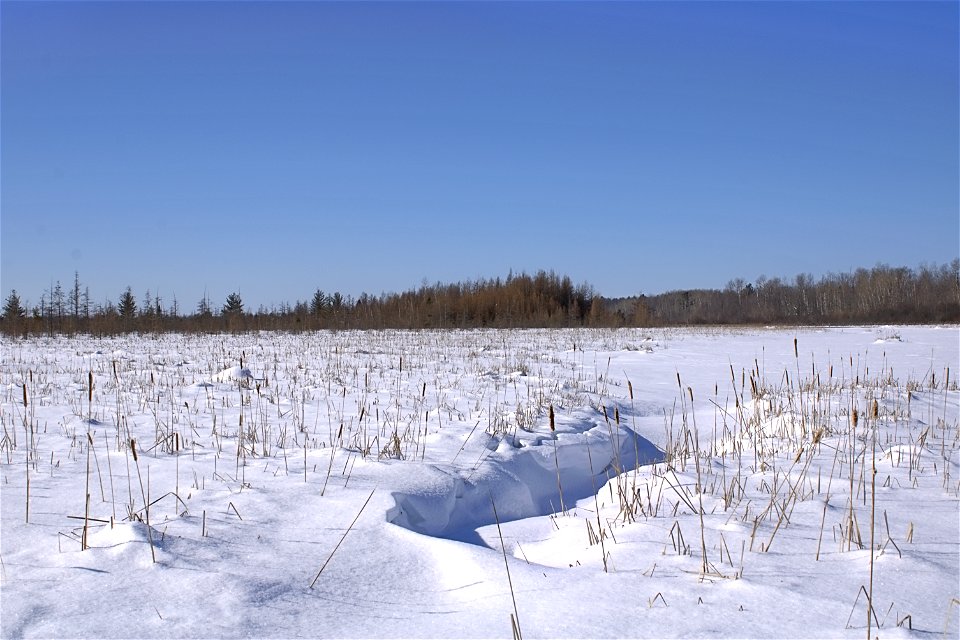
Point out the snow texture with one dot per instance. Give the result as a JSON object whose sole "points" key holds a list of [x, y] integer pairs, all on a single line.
{"points": [[722, 483]]}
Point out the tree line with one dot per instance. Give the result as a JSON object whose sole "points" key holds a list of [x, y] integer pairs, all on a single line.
{"points": [[882, 294]]}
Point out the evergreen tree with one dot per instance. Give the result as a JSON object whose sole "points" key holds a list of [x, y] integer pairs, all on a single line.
{"points": [[75, 296], [57, 300], [203, 307], [234, 304], [127, 305], [147, 308], [12, 309], [318, 303]]}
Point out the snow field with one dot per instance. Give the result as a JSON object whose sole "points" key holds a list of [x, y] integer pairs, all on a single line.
{"points": [[705, 483]]}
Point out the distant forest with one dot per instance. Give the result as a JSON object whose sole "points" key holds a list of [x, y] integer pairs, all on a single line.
{"points": [[883, 294]]}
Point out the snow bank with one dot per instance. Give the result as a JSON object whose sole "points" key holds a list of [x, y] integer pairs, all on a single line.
{"points": [[522, 482]]}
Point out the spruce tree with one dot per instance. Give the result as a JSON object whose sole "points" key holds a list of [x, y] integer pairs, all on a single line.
{"points": [[319, 302], [12, 309], [234, 305], [127, 305]]}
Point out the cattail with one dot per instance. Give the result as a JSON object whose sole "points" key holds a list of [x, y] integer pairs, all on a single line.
{"points": [[795, 352], [25, 394], [856, 417], [133, 448], [630, 389], [90, 387], [876, 409], [553, 426]]}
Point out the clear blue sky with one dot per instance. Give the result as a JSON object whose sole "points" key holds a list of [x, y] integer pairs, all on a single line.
{"points": [[273, 148]]}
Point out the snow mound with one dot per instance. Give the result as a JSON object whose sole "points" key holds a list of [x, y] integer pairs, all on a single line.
{"points": [[129, 543], [887, 334], [522, 482], [234, 374], [117, 535]]}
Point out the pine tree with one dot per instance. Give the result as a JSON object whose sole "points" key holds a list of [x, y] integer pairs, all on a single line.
{"points": [[318, 303], [147, 308], [12, 309], [203, 307], [75, 296], [127, 305], [57, 300], [234, 305]]}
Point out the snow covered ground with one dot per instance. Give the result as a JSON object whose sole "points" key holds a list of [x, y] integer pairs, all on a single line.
{"points": [[577, 483]]}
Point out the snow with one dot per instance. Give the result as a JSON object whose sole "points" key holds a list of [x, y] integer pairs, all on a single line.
{"points": [[234, 374], [694, 483]]}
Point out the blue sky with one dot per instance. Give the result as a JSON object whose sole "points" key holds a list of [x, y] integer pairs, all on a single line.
{"points": [[274, 148]]}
